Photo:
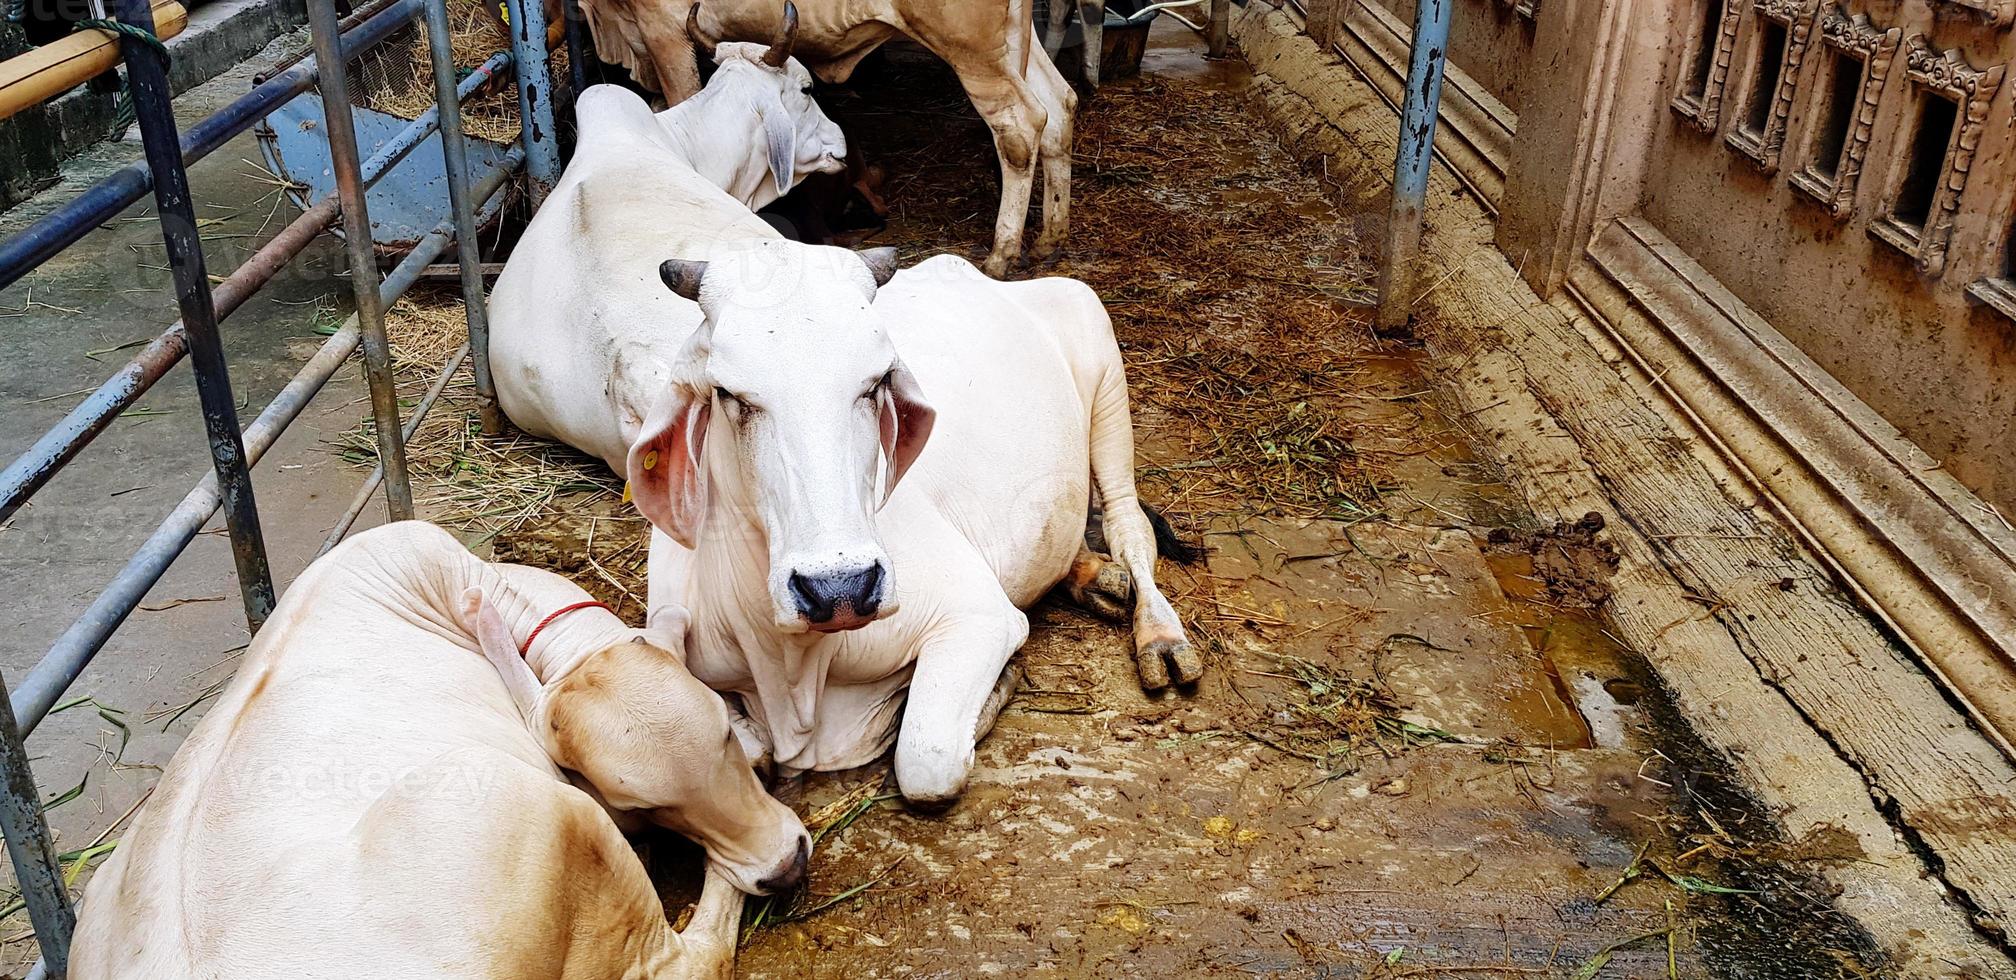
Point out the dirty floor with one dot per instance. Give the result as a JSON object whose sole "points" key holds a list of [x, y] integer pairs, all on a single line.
{"points": [[1417, 752]]}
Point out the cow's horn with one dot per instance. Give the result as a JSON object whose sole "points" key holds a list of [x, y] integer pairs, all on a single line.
{"points": [[787, 36], [693, 32]]}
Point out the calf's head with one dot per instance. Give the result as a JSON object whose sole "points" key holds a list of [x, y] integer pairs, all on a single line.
{"points": [[651, 739], [764, 83], [789, 421]]}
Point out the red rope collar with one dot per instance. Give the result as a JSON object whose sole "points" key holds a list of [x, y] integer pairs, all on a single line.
{"points": [[556, 614]]}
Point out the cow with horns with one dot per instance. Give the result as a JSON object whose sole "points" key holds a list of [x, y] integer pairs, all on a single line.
{"points": [[768, 402]]}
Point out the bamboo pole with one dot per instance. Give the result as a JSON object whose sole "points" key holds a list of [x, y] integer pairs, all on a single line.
{"points": [[54, 68]]}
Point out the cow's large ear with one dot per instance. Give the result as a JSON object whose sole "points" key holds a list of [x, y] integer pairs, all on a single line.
{"points": [[667, 481], [666, 628], [780, 135], [481, 619], [906, 420]]}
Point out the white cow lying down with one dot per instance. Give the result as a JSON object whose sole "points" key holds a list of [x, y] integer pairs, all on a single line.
{"points": [[768, 431], [379, 791]]}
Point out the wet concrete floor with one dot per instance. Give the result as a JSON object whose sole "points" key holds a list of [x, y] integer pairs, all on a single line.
{"points": [[1417, 752]]}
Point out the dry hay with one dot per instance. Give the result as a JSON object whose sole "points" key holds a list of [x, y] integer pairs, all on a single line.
{"points": [[533, 501], [401, 83]]}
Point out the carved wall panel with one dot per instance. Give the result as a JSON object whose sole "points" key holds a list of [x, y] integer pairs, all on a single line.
{"points": [[1947, 75], [1876, 49], [1763, 146], [1703, 109]]}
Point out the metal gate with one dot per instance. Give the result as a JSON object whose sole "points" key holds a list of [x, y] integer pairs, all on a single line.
{"points": [[234, 450]]}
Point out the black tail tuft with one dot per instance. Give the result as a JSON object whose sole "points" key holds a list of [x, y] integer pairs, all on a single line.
{"points": [[1167, 544]]}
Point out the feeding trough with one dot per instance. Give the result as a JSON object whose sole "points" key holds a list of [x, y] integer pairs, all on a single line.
{"points": [[390, 86]]}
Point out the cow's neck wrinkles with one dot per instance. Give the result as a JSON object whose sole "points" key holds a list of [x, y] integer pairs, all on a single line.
{"points": [[556, 650], [733, 558]]}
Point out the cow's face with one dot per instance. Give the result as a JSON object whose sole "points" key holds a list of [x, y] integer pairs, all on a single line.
{"points": [[794, 138], [791, 417], [651, 739]]}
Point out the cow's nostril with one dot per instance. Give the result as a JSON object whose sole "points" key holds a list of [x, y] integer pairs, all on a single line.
{"points": [[815, 607], [868, 596], [791, 874]]}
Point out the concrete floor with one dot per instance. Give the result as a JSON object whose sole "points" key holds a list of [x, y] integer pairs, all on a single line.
{"points": [[64, 329]]}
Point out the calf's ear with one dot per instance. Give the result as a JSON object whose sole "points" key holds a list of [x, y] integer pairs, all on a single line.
{"points": [[906, 420], [481, 619], [666, 628], [667, 482]]}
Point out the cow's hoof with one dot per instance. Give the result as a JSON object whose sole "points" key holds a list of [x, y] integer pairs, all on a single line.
{"points": [[997, 265], [1046, 254], [1164, 659], [1107, 593]]}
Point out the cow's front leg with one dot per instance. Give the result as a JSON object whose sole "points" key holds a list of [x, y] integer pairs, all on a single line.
{"points": [[1053, 34], [1092, 17], [707, 945], [958, 687], [1003, 97]]}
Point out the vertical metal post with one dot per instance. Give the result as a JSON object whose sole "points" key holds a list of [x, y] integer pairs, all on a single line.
{"points": [[577, 45], [36, 869], [455, 157], [1410, 165], [535, 97], [1220, 28], [154, 110], [342, 130]]}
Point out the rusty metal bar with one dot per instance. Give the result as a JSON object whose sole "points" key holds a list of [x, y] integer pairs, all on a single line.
{"points": [[535, 98], [34, 468], [455, 158], [147, 80], [342, 130]]}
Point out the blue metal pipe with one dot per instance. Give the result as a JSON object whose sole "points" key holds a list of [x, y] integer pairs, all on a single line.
{"points": [[535, 98], [1418, 113], [101, 202]]}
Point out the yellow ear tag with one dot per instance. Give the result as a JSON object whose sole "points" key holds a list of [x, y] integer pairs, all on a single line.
{"points": [[626, 491], [651, 459]]}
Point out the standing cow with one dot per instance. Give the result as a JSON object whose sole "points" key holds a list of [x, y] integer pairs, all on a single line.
{"points": [[990, 44]]}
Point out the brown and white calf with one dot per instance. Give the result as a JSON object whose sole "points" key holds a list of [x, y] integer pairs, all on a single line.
{"points": [[380, 791]]}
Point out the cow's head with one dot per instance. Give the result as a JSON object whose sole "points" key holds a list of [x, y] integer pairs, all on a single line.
{"points": [[652, 740], [789, 420], [763, 83]]}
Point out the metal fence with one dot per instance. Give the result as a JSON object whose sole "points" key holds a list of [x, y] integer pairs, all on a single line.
{"points": [[234, 450]]}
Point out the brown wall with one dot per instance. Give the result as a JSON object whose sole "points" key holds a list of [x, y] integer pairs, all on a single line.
{"points": [[1490, 40], [1908, 341]]}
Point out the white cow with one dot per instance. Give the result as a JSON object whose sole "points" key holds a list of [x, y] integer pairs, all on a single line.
{"points": [[822, 587], [379, 792], [590, 348]]}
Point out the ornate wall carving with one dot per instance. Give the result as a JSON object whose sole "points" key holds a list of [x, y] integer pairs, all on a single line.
{"points": [[1704, 110], [1877, 49], [1763, 147], [1946, 74]]}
